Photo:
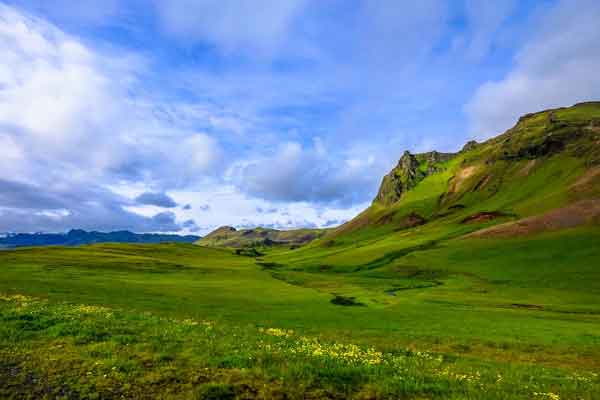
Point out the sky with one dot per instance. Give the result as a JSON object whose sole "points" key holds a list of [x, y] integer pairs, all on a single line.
{"points": [[185, 115]]}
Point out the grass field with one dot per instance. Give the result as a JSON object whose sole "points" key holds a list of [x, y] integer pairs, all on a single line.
{"points": [[437, 318]]}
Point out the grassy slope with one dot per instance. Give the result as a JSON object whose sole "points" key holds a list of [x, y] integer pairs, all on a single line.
{"points": [[500, 179]]}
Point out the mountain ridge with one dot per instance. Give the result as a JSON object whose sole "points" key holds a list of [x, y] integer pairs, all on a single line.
{"points": [[76, 237]]}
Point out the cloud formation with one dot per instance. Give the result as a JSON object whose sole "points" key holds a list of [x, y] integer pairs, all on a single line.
{"points": [[61, 103], [558, 67], [31, 208], [296, 173], [156, 199]]}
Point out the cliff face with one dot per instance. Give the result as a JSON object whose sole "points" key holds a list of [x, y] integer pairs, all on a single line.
{"points": [[411, 169]]}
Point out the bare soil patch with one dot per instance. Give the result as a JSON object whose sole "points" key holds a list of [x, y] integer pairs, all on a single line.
{"points": [[526, 170], [587, 181], [457, 182], [462, 176], [483, 216], [579, 213]]}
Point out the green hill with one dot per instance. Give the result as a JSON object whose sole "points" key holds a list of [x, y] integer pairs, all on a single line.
{"points": [[227, 236], [549, 161]]}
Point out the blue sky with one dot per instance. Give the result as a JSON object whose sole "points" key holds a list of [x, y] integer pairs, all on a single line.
{"points": [[185, 115]]}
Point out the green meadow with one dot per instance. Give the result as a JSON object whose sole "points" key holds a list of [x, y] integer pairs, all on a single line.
{"points": [[439, 318]]}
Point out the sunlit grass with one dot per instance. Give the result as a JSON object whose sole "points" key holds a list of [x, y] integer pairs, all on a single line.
{"points": [[100, 352]]}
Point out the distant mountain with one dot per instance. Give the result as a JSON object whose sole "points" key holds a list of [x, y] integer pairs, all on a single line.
{"points": [[227, 236], [78, 237]]}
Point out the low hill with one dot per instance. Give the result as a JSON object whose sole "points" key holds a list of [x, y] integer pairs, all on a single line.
{"points": [[78, 237], [227, 236]]}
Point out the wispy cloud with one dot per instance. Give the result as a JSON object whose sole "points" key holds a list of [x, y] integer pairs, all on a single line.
{"points": [[231, 25], [558, 67]]}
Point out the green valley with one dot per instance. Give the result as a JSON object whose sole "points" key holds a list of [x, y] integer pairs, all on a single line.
{"points": [[473, 275]]}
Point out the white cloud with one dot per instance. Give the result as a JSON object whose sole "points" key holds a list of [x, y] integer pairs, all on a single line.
{"points": [[558, 67], [229, 206], [296, 173], [54, 94], [200, 152], [71, 126], [72, 107]]}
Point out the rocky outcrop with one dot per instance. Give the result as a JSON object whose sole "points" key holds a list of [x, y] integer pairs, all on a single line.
{"points": [[402, 178], [470, 145], [411, 169]]}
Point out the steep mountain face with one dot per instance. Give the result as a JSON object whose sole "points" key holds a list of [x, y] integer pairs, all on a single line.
{"points": [[549, 161], [411, 169], [227, 236], [78, 237]]}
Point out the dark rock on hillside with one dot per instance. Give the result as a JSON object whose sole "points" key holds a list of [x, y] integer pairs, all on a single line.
{"points": [[544, 134], [345, 301], [402, 178]]}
